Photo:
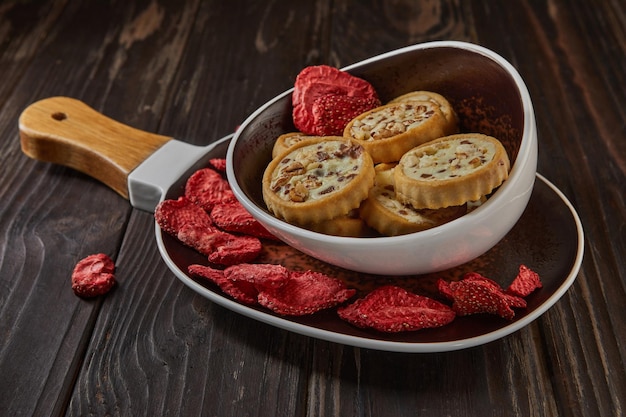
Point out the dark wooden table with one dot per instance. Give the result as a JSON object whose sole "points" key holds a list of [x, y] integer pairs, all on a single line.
{"points": [[195, 70]]}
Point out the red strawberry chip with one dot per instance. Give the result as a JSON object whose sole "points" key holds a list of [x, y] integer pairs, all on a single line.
{"points": [[276, 288], [218, 163], [243, 282], [171, 215], [93, 275], [233, 217], [242, 291], [511, 299], [262, 276], [525, 282], [321, 80], [332, 112], [192, 226], [392, 309], [206, 187], [305, 293], [477, 294], [476, 277], [233, 250], [220, 247]]}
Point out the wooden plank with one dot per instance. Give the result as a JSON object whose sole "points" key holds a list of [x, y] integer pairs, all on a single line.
{"points": [[40, 239], [154, 347], [158, 347], [519, 359], [495, 380], [55, 215], [577, 122]]}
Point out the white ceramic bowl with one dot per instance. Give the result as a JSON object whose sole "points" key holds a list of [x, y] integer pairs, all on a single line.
{"points": [[490, 97]]}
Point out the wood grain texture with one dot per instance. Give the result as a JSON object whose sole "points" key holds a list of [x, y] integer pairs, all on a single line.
{"points": [[65, 131], [576, 110], [195, 70]]}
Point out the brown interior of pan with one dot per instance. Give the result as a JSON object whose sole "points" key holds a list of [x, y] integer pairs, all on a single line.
{"points": [[483, 94]]}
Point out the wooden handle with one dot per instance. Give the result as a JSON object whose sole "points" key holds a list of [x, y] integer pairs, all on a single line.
{"points": [[68, 132]]}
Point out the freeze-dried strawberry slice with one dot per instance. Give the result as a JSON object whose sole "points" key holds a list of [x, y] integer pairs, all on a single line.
{"points": [[219, 164], [262, 276], [242, 291], [511, 299], [206, 187], [233, 250], [316, 81], [233, 217], [243, 282], [392, 309], [479, 295], [332, 112], [171, 215], [525, 282], [305, 293], [476, 277], [191, 225], [93, 275], [285, 292], [220, 247]]}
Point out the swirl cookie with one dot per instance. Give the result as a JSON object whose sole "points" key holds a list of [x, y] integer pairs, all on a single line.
{"points": [[387, 132], [451, 171], [452, 125], [286, 141], [383, 212], [318, 179]]}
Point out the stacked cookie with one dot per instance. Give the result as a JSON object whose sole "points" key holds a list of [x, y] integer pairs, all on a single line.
{"points": [[397, 168]]}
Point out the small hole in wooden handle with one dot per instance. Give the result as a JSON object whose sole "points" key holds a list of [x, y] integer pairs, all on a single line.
{"points": [[59, 116]]}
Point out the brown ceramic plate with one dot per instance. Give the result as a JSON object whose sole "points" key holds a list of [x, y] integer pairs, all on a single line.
{"points": [[548, 238]]}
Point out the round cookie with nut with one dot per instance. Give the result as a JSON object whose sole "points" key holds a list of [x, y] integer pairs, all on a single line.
{"points": [[388, 131], [287, 140], [318, 179], [451, 171], [452, 125], [383, 212]]}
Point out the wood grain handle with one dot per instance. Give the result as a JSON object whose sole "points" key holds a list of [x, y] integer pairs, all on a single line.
{"points": [[68, 132]]}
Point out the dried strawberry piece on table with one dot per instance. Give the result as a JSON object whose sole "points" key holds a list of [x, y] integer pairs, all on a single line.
{"points": [[233, 217], [393, 309], [476, 294], [93, 275], [191, 225], [207, 187], [321, 80], [293, 293], [525, 282], [332, 112]]}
